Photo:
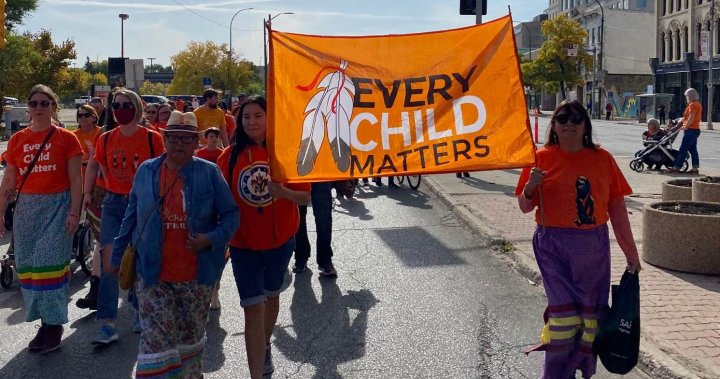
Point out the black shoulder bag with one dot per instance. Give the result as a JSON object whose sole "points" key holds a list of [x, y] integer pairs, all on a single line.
{"points": [[10, 210]]}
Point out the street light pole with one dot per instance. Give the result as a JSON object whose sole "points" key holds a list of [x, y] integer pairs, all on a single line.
{"points": [[123, 17], [600, 56], [267, 24], [710, 66], [230, 57], [151, 63]]}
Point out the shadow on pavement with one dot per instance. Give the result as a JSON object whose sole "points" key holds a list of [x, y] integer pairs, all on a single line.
{"points": [[488, 186], [417, 248], [324, 332], [214, 355], [708, 282], [76, 357], [353, 207]]}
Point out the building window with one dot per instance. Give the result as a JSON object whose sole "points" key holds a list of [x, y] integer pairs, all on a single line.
{"points": [[717, 36], [662, 47], [642, 4], [670, 47], [664, 7], [678, 46], [686, 36], [679, 5], [593, 36]]}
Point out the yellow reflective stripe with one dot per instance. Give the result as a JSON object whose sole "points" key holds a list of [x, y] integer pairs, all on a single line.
{"points": [[564, 334], [590, 323], [588, 337], [565, 321]]}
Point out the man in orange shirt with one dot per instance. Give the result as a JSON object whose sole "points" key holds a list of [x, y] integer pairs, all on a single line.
{"points": [[209, 115]]}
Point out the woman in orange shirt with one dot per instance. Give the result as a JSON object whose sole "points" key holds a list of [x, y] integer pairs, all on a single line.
{"points": [[119, 153], [691, 132], [263, 244], [46, 215], [576, 187]]}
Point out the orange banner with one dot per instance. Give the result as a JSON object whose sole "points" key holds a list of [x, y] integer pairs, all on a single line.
{"points": [[351, 107]]}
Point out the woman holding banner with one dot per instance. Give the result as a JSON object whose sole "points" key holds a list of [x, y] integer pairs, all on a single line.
{"points": [[263, 244], [584, 188]]}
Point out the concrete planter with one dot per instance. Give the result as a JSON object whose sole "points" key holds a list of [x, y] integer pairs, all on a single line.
{"points": [[706, 189], [677, 189], [682, 236]]}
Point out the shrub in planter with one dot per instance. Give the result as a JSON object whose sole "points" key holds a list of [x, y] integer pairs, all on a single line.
{"points": [[677, 189], [706, 189], [682, 236]]}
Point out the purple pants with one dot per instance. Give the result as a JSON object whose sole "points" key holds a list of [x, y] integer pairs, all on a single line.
{"points": [[575, 267]]}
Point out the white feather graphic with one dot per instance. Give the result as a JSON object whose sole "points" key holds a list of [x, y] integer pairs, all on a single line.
{"points": [[332, 107]]}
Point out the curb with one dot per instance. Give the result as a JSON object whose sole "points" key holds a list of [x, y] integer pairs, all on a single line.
{"points": [[652, 361]]}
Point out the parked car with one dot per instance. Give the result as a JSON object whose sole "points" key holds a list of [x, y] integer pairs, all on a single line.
{"points": [[82, 100], [10, 101], [154, 99]]}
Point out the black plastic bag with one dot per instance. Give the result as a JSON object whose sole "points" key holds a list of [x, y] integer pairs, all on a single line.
{"points": [[618, 339]]}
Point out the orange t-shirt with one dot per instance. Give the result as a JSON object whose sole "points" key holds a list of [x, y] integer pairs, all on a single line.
{"points": [[87, 141], [693, 108], [577, 187], [209, 155], [265, 223], [178, 264], [122, 155], [229, 124], [50, 174]]}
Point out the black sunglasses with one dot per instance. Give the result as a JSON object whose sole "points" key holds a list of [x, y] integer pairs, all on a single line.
{"points": [[184, 139], [125, 105], [574, 118], [42, 103], [84, 115]]}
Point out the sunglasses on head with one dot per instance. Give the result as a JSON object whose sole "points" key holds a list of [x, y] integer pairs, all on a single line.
{"points": [[84, 115], [184, 139], [125, 105], [42, 103], [574, 118]]}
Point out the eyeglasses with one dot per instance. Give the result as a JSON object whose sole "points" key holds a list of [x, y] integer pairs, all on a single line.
{"points": [[84, 115], [125, 105], [42, 103], [574, 118], [184, 139]]}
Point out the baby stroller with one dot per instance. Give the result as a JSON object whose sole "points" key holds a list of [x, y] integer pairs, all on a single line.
{"points": [[82, 249], [659, 153]]}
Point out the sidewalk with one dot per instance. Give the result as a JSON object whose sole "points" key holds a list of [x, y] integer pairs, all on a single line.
{"points": [[680, 312]]}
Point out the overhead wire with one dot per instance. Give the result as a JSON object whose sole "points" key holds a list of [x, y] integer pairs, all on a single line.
{"points": [[211, 20]]}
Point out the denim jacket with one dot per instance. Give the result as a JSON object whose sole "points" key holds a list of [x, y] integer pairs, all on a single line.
{"points": [[210, 209]]}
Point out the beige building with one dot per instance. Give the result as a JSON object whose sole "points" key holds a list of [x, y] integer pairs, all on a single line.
{"points": [[682, 48], [621, 65]]}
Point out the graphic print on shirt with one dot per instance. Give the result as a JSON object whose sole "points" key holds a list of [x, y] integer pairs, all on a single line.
{"points": [[584, 202], [30, 150], [253, 184], [121, 168]]}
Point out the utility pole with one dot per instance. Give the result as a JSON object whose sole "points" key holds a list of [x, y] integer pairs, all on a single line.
{"points": [[710, 66], [600, 58], [478, 12], [151, 64]]}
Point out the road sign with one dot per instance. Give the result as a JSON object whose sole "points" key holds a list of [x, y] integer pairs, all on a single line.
{"points": [[207, 83], [572, 50]]}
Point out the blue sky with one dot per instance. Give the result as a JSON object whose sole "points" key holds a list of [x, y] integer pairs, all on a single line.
{"points": [[162, 28]]}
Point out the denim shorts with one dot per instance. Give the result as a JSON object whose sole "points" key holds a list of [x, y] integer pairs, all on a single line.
{"points": [[260, 274], [113, 211]]}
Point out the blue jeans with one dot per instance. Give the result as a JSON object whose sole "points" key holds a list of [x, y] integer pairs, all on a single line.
{"points": [[689, 145], [113, 211], [321, 196]]}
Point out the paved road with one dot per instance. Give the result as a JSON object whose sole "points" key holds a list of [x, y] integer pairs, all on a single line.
{"points": [[623, 139], [417, 296]]}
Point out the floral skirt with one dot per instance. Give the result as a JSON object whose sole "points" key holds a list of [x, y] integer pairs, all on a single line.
{"points": [[172, 318], [42, 255]]}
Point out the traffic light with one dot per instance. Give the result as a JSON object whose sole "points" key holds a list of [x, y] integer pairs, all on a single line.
{"points": [[3, 29], [467, 7]]}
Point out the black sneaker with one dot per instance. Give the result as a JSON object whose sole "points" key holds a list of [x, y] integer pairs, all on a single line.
{"points": [[458, 175], [328, 270], [38, 343], [299, 267], [466, 174], [90, 300]]}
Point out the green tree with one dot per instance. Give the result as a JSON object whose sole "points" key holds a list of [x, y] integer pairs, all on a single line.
{"points": [[149, 88], [208, 60], [89, 66], [553, 69], [74, 82], [101, 67], [99, 79], [16, 10]]}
